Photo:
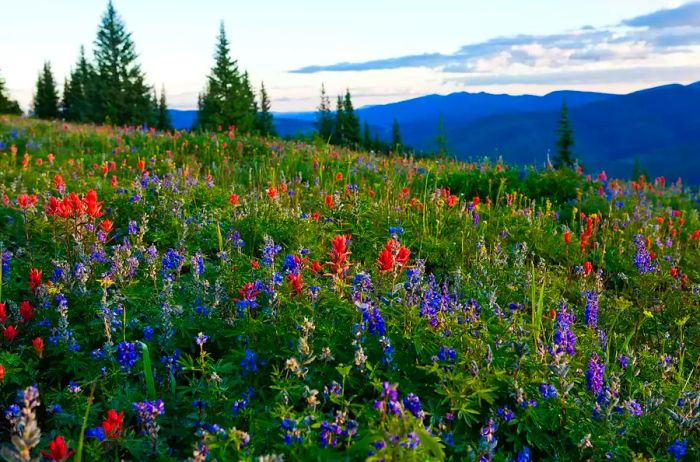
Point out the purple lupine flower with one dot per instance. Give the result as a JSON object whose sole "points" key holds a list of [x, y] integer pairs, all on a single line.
{"points": [[595, 373], [201, 339], [564, 338], [642, 259], [412, 404], [622, 361], [591, 308], [633, 408]]}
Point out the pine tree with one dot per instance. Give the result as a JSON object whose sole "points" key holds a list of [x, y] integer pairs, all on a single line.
{"points": [[339, 126], [163, 121], [441, 138], [565, 140], [366, 137], [324, 117], [78, 91], [377, 143], [395, 136], [228, 98], [264, 125], [45, 104], [121, 95], [7, 105], [351, 122]]}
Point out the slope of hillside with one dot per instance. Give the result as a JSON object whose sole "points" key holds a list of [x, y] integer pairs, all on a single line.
{"points": [[658, 127]]}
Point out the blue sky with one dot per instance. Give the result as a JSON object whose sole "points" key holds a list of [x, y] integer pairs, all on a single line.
{"points": [[383, 50]]}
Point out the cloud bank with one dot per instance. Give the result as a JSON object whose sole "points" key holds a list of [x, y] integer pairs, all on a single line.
{"points": [[664, 42]]}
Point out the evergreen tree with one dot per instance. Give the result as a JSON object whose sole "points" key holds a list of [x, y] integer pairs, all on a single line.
{"points": [[7, 105], [395, 136], [45, 104], [351, 122], [366, 137], [565, 140], [441, 138], [228, 98], [163, 121], [121, 95], [377, 143], [339, 128], [265, 123], [324, 117], [75, 105]]}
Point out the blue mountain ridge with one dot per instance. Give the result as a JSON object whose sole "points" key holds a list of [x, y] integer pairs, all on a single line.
{"points": [[656, 128]]}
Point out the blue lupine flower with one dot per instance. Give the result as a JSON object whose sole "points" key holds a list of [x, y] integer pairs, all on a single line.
{"points": [[548, 391], [678, 449], [249, 362], [97, 432], [148, 333], [127, 355], [6, 258]]}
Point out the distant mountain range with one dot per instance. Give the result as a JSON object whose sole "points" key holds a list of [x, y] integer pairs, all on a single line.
{"points": [[658, 128]]}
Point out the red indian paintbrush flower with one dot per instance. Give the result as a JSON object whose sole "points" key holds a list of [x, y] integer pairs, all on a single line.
{"points": [[34, 278], [58, 450], [233, 199], [9, 333], [38, 344], [93, 207], [113, 424], [26, 311], [295, 281], [26, 201], [394, 256], [2, 373], [587, 268], [106, 225], [339, 256], [567, 237], [3, 314]]}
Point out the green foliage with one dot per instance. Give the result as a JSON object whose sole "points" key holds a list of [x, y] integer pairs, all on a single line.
{"points": [[7, 106], [396, 136], [465, 333], [118, 92], [265, 126], [45, 105], [76, 105], [228, 98], [565, 140], [325, 123]]}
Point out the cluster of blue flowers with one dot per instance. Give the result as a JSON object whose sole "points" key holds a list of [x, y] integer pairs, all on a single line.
{"points": [[127, 355]]}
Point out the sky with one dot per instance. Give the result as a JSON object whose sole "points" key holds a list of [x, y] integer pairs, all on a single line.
{"points": [[382, 50]]}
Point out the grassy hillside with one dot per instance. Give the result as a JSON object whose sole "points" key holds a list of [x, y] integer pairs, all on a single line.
{"points": [[222, 297]]}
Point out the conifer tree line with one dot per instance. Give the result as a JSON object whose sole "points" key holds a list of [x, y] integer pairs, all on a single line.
{"points": [[111, 88], [342, 127]]}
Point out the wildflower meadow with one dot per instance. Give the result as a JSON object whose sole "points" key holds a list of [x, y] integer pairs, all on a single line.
{"points": [[167, 295]]}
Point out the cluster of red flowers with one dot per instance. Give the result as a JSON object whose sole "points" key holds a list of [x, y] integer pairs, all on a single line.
{"points": [[26, 201], [587, 232], [75, 207], [393, 257], [339, 253], [58, 450]]}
